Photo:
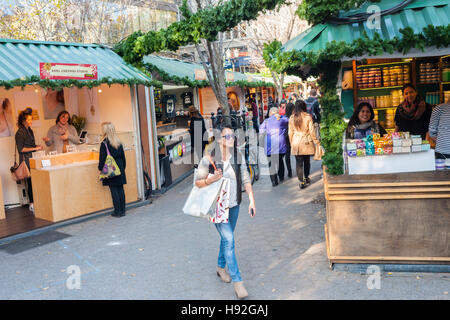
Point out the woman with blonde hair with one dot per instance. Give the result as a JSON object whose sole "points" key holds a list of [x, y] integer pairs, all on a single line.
{"points": [[303, 140], [112, 145]]}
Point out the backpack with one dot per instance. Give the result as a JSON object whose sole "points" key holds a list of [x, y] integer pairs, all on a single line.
{"points": [[312, 107]]}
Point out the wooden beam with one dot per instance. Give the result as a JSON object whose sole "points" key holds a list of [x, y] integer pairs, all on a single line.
{"points": [[390, 190], [389, 184], [391, 197]]}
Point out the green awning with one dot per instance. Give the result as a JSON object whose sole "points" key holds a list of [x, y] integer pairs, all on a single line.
{"points": [[183, 72], [416, 15], [19, 59]]}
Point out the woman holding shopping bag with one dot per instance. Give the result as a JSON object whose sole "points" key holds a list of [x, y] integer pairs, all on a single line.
{"points": [[229, 163]]}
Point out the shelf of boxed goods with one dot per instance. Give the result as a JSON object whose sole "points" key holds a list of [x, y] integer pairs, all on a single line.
{"points": [[380, 88]]}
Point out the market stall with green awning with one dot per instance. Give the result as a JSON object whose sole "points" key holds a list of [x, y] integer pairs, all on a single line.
{"points": [[378, 211], [94, 85]]}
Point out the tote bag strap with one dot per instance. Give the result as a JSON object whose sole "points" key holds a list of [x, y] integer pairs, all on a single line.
{"points": [[107, 150]]}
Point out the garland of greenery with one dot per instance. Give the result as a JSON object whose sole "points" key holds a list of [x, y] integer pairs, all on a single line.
{"points": [[204, 24], [326, 64], [58, 84], [166, 77], [318, 11]]}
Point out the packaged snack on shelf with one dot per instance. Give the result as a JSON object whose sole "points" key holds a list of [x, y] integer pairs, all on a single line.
{"points": [[388, 142], [405, 135], [361, 152], [416, 139], [351, 146], [406, 143], [397, 149], [397, 142], [351, 153], [370, 145], [395, 135], [388, 150], [425, 147], [370, 151], [376, 136], [406, 149], [369, 137], [360, 144], [378, 143], [379, 151], [416, 148]]}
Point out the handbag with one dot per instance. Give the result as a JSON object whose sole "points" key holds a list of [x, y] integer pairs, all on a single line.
{"points": [[110, 168], [320, 151], [202, 202], [19, 172]]}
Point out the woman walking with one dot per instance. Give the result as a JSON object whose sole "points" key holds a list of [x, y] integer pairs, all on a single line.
{"points": [[303, 140], [230, 164], [26, 145], [112, 145]]}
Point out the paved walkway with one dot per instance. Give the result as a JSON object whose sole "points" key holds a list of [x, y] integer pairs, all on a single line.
{"points": [[156, 252]]}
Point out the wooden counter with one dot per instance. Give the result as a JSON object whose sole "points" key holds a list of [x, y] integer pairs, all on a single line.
{"points": [[70, 187], [388, 218], [2, 204]]}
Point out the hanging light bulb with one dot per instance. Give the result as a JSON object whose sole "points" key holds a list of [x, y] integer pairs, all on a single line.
{"points": [[99, 90]]}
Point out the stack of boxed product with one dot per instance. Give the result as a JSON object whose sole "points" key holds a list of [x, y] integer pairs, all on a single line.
{"points": [[395, 142]]}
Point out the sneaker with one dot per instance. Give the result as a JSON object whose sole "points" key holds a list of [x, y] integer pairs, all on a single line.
{"points": [[302, 185], [31, 207], [308, 181]]}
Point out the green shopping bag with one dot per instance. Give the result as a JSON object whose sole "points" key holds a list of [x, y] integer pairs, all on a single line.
{"points": [[110, 169]]}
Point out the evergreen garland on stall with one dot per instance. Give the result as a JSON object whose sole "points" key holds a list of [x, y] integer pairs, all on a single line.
{"points": [[58, 84], [166, 77]]}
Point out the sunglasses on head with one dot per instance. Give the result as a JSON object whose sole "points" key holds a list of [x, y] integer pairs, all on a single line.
{"points": [[228, 136]]}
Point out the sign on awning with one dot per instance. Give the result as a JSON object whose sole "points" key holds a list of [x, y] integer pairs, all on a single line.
{"points": [[64, 71]]}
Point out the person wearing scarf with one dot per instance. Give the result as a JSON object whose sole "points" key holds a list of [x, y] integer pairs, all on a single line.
{"points": [[362, 123], [62, 134], [413, 114]]}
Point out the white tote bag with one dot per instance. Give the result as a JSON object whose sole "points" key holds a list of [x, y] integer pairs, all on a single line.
{"points": [[202, 202]]}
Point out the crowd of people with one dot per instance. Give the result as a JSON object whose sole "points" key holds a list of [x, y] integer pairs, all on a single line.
{"points": [[292, 129]]}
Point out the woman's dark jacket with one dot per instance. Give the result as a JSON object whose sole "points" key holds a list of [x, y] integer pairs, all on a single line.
{"points": [[119, 157], [25, 139]]}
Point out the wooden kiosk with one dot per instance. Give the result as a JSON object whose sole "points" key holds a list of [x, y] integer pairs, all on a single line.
{"points": [[70, 187], [388, 218], [383, 212]]}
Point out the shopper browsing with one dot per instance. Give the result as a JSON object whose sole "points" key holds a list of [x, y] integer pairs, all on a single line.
{"points": [[111, 143]]}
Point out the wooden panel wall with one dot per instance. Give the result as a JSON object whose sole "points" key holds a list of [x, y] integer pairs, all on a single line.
{"points": [[75, 191], [401, 218]]}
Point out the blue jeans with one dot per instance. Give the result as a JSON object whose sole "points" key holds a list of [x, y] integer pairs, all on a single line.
{"points": [[227, 255]]}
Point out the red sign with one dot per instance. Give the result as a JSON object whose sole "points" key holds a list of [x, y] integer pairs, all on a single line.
{"points": [[63, 71]]}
